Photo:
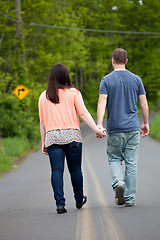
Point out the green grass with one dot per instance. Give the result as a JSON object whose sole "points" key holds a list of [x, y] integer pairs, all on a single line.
{"points": [[14, 148], [155, 128]]}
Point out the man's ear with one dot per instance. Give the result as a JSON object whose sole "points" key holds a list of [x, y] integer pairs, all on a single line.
{"points": [[113, 61], [126, 61]]}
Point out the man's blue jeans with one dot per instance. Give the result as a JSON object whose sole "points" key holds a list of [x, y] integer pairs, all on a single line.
{"points": [[124, 146], [73, 154]]}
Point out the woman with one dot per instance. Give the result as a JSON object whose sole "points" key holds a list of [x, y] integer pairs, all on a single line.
{"points": [[59, 107]]}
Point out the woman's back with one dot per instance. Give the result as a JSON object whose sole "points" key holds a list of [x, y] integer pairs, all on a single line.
{"points": [[62, 115]]}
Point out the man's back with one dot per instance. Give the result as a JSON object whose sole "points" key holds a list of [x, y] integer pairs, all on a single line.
{"points": [[122, 88]]}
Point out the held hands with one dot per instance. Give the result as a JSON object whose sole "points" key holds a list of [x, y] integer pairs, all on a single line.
{"points": [[144, 130], [101, 132]]}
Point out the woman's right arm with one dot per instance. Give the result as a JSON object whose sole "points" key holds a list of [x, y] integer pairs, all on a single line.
{"points": [[87, 118]]}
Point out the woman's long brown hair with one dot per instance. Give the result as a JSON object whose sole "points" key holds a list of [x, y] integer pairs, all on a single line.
{"points": [[59, 77]]}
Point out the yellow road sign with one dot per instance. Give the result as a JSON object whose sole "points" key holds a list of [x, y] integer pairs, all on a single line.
{"points": [[21, 91]]}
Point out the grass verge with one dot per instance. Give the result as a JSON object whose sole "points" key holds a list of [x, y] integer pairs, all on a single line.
{"points": [[13, 149], [155, 128]]}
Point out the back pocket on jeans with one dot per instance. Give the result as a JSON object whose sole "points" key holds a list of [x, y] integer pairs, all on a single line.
{"points": [[74, 145]]}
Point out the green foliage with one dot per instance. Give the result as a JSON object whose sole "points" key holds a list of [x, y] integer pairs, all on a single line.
{"points": [[6, 162], [16, 120], [155, 128], [27, 57], [13, 148]]}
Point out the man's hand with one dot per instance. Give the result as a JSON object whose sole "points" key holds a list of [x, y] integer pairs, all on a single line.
{"points": [[144, 130], [145, 113], [103, 130]]}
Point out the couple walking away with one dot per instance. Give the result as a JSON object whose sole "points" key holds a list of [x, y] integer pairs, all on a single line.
{"points": [[59, 107]]}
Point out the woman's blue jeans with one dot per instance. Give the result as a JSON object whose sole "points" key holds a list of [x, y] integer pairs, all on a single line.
{"points": [[73, 154], [124, 147]]}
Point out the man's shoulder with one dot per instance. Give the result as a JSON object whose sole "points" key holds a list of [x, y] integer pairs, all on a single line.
{"points": [[116, 72], [107, 76], [133, 74], [110, 74]]}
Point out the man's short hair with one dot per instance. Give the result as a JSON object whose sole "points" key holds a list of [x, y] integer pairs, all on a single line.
{"points": [[119, 55]]}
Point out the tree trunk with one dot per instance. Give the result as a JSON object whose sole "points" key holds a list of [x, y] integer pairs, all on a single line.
{"points": [[18, 18]]}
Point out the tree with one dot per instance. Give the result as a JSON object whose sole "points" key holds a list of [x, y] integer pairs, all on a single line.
{"points": [[28, 51]]}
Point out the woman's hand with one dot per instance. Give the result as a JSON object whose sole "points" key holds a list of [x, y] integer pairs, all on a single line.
{"points": [[44, 150], [101, 132]]}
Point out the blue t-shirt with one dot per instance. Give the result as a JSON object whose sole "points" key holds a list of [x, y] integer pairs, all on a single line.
{"points": [[122, 88]]}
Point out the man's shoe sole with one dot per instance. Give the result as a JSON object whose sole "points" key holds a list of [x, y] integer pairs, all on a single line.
{"points": [[130, 204], [119, 198], [80, 205]]}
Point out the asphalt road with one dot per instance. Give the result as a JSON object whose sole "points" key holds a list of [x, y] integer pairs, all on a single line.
{"points": [[28, 211]]}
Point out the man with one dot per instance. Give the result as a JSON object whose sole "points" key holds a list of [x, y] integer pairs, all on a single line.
{"points": [[120, 90]]}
